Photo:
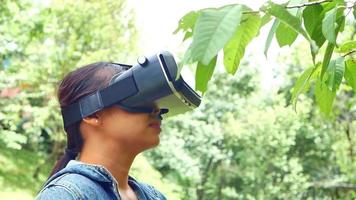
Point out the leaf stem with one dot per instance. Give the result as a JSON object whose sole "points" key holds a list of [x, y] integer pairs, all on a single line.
{"points": [[349, 53], [251, 12], [309, 4]]}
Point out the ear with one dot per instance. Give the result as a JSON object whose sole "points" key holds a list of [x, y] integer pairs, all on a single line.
{"points": [[93, 120]]}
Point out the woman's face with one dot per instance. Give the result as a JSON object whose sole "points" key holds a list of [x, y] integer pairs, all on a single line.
{"points": [[137, 131]]}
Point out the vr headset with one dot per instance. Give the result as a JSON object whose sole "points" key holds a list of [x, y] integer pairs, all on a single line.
{"points": [[150, 83]]}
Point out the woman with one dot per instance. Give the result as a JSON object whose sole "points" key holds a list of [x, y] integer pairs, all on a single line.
{"points": [[105, 143]]}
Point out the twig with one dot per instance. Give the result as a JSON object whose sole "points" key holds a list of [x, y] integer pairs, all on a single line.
{"points": [[349, 53], [294, 6], [251, 12], [309, 4], [350, 4], [298, 6], [348, 12]]}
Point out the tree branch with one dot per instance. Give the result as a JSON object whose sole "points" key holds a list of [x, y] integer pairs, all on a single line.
{"points": [[348, 135], [330, 186], [349, 53], [350, 4], [294, 6], [309, 4]]}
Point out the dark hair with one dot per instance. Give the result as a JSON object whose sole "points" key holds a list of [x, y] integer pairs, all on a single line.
{"points": [[75, 85]]}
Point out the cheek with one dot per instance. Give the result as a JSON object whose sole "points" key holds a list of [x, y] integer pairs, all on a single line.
{"points": [[131, 130], [126, 127], [134, 126]]}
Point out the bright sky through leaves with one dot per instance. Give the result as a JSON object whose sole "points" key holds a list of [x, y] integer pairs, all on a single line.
{"points": [[157, 19]]}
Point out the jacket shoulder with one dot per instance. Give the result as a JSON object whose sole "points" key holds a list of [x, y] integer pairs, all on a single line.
{"points": [[59, 192], [72, 186]]}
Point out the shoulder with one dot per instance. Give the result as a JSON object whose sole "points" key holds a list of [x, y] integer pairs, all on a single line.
{"points": [[71, 186], [151, 191]]}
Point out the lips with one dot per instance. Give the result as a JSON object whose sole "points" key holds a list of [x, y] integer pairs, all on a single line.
{"points": [[155, 124]]}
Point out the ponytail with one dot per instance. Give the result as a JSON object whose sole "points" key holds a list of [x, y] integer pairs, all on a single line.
{"points": [[74, 145]]}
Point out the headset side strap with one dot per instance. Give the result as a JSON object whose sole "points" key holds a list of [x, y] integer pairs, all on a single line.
{"points": [[106, 97]]}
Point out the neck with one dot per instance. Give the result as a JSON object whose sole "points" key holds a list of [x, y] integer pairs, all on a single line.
{"points": [[116, 158]]}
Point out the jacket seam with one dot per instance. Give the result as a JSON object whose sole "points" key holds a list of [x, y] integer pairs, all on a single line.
{"points": [[71, 188], [51, 181], [154, 191]]}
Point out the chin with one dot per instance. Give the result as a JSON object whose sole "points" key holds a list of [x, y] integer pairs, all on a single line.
{"points": [[155, 144], [152, 144], [149, 141]]}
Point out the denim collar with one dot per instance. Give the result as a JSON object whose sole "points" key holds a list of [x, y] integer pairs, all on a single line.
{"points": [[99, 173], [95, 172]]}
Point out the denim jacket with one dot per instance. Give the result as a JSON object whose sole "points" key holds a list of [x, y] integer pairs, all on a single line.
{"points": [[80, 181]]}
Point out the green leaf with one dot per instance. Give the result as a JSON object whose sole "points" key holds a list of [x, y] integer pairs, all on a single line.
{"points": [[265, 19], [302, 85], [295, 11], [313, 17], [326, 60], [284, 16], [212, 31], [313, 49], [203, 74], [270, 35], [324, 97], [281, 13], [235, 48], [285, 35], [354, 11], [340, 6], [330, 5], [185, 60], [329, 77], [338, 72], [347, 46], [335, 73], [186, 24], [340, 20], [350, 73], [329, 25]]}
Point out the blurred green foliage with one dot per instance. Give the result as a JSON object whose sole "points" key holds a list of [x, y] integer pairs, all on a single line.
{"points": [[18, 179], [42, 42], [241, 143]]}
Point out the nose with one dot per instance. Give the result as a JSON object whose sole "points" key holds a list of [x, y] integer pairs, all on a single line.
{"points": [[156, 111]]}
